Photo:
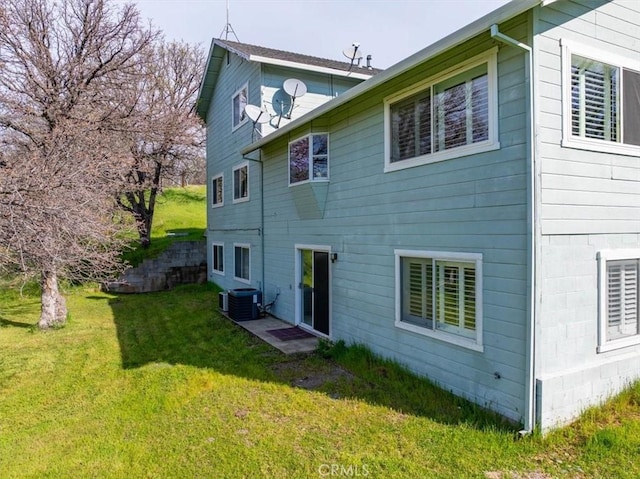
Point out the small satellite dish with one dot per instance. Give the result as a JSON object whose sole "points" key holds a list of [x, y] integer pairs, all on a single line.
{"points": [[352, 52], [295, 88], [256, 114]]}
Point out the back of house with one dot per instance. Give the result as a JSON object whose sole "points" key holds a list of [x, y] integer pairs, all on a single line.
{"points": [[472, 212]]}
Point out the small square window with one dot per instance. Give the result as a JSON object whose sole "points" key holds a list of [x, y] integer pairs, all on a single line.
{"points": [[241, 183]]}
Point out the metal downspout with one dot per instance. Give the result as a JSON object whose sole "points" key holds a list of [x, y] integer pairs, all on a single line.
{"points": [[261, 230], [529, 416]]}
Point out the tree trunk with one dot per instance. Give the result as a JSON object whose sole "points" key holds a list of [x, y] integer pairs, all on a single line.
{"points": [[144, 231], [53, 310]]}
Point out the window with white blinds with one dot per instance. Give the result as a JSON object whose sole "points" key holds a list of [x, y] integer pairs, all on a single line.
{"points": [[440, 295], [619, 290], [622, 299], [602, 100], [444, 117]]}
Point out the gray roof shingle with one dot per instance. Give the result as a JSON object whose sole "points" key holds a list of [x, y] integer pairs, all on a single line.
{"points": [[247, 51]]}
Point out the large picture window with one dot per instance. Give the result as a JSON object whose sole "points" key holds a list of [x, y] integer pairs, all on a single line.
{"points": [[309, 159], [241, 183], [602, 101], [447, 116], [619, 274], [242, 262], [238, 102], [439, 294]]}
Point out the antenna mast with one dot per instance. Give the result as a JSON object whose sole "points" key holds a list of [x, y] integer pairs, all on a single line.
{"points": [[228, 28]]}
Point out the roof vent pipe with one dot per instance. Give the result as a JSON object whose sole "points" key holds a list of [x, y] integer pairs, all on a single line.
{"points": [[369, 67]]}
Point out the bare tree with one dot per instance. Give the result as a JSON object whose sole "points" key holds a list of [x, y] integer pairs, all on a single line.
{"points": [[63, 72], [167, 140]]}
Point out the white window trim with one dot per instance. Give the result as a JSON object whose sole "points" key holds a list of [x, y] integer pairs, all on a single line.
{"points": [[236, 93], [602, 257], [569, 48], [476, 258], [311, 179], [213, 191], [233, 182], [492, 143], [213, 270], [241, 245]]}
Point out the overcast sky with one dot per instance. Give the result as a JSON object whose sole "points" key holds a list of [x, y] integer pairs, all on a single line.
{"points": [[389, 30]]}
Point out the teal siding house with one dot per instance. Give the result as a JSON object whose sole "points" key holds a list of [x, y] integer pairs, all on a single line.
{"points": [[472, 212]]}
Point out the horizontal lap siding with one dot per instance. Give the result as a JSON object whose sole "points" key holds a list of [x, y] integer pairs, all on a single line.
{"points": [[320, 89], [584, 192], [469, 204], [232, 223]]}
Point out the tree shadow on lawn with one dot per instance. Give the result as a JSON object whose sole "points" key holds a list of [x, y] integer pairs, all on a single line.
{"points": [[5, 323], [183, 326], [21, 310]]}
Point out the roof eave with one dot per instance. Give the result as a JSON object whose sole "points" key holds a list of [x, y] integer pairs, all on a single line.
{"points": [[314, 68], [204, 93], [502, 14]]}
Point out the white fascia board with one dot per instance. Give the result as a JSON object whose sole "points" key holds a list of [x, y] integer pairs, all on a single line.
{"points": [[507, 11], [305, 66]]}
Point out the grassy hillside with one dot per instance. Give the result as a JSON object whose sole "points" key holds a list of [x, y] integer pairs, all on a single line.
{"points": [[180, 215]]}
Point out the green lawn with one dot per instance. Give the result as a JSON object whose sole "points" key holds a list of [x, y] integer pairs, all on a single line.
{"points": [[162, 386]]}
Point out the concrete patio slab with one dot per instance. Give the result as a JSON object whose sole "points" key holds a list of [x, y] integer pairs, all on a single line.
{"points": [[259, 328]]}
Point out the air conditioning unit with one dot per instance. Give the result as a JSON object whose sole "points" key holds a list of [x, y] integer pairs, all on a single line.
{"points": [[243, 304], [223, 301]]}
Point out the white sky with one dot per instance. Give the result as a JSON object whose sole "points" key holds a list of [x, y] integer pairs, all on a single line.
{"points": [[389, 30]]}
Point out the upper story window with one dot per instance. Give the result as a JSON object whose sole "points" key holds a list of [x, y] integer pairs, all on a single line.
{"points": [[451, 115], [239, 101], [619, 299], [309, 159], [241, 183], [439, 294], [601, 101], [217, 191]]}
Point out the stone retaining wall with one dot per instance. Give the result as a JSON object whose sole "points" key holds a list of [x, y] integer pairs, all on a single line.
{"points": [[184, 262]]}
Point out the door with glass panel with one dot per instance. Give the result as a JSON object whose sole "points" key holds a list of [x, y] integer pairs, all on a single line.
{"points": [[314, 289]]}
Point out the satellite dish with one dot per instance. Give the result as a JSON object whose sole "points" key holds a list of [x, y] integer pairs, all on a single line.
{"points": [[352, 53], [256, 114], [295, 88]]}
